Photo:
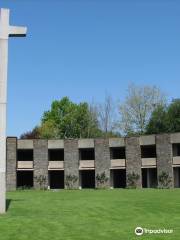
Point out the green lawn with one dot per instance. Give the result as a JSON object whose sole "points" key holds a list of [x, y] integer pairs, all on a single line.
{"points": [[90, 214]]}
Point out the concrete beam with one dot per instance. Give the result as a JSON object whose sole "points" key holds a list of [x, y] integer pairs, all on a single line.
{"points": [[24, 144], [147, 140], [55, 144], [86, 143], [116, 142], [175, 137]]}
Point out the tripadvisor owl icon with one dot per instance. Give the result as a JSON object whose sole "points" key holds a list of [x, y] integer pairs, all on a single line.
{"points": [[139, 231]]}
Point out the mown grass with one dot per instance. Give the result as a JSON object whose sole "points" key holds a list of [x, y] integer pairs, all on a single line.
{"points": [[90, 214]]}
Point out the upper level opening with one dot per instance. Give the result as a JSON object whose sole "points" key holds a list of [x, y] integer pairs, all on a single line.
{"points": [[176, 149], [25, 155], [148, 151], [86, 154], [56, 154], [118, 153]]}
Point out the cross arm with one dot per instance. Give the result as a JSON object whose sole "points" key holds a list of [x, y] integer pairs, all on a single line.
{"points": [[17, 31]]}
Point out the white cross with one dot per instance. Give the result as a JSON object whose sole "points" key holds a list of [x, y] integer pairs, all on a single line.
{"points": [[6, 31]]}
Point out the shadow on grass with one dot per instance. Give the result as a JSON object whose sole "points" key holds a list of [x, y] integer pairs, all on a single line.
{"points": [[9, 201]]}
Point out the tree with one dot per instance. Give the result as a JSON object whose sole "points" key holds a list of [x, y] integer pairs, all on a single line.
{"points": [[106, 116], [66, 119], [165, 119], [173, 113], [139, 104], [93, 129], [48, 130], [158, 122], [34, 134]]}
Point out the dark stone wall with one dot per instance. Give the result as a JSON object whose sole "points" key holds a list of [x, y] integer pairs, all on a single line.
{"points": [[71, 161], [164, 155], [40, 161], [11, 156], [133, 158], [102, 159]]}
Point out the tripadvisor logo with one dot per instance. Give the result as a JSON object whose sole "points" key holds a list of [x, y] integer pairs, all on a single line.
{"points": [[139, 231]]}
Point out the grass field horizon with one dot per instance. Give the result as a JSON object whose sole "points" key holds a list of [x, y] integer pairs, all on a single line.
{"points": [[90, 214]]}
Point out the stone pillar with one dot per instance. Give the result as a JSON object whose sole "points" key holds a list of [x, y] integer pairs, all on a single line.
{"points": [[133, 158], [102, 160], [71, 163], [40, 161], [164, 155], [11, 163]]}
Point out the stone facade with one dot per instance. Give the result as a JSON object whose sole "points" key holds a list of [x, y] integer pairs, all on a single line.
{"points": [[72, 166], [71, 162], [102, 160], [11, 163], [164, 155], [133, 158], [40, 162]]}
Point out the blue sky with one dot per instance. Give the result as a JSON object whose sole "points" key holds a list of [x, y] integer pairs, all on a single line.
{"points": [[83, 49]]}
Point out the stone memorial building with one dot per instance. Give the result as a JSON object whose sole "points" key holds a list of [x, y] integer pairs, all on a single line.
{"points": [[84, 159]]}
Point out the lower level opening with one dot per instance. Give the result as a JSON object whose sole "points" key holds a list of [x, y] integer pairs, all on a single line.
{"points": [[56, 179], [25, 179], [176, 177], [118, 178], [87, 178], [149, 178]]}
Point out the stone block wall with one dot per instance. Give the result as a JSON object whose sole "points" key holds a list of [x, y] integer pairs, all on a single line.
{"points": [[40, 161], [11, 156], [164, 155], [71, 161], [102, 159], [133, 158]]}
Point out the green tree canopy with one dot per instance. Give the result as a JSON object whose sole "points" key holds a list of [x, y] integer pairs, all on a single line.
{"points": [[158, 122], [66, 119], [165, 119], [174, 116]]}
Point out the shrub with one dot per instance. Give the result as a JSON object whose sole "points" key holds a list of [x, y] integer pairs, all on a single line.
{"points": [[164, 180], [70, 180], [101, 180], [41, 180], [25, 188], [132, 179]]}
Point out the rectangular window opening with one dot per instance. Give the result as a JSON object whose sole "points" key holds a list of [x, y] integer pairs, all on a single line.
{"points": [[25, 154], [56, 154], [86, 154], [148, 151], [149, 178], [118, 178], [25, 179], [118, 153], [56, 179], [87, 178], [176, 149]]}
